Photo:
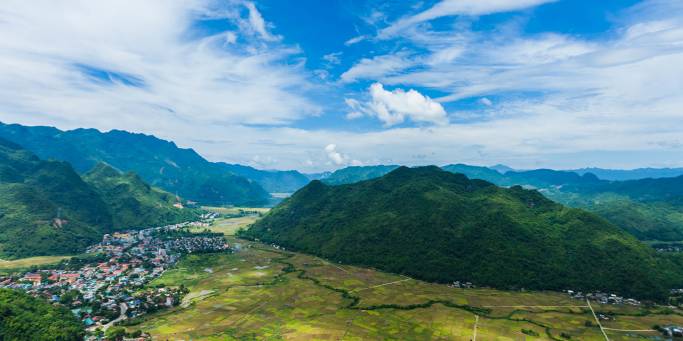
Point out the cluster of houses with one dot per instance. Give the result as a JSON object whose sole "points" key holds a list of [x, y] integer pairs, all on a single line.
{"points": [[464, 285], [113, 286], [602, 298]]}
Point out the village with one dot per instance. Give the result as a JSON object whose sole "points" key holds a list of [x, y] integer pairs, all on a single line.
{"points": [[109, 284]]}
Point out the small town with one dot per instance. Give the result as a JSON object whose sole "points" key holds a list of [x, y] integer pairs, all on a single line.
{"points": [[109, 283]]}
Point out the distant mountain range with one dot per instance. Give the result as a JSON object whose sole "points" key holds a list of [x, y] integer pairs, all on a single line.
{"points": [[46, 208], [650, 209], [439, 226], [158, 162], [631, 174]]}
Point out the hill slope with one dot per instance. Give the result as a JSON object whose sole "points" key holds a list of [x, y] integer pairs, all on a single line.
{"points": [[271, 181], [28, 318], [158, 162], [132, 202], [45, 207], [353, 174], [440, 226]]}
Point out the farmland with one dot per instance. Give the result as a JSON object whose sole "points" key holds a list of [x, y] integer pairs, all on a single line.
{"points": [[30, 261], [261, 292]]}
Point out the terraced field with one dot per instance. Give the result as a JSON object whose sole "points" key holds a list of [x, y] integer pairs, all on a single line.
{"points": [[264, 293]]}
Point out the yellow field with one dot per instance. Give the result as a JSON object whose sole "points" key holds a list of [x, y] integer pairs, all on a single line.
{"points": [[234, 210], [229, 226], [28, 262], [263, 293]]}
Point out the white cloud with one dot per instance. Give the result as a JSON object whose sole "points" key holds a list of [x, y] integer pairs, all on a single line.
{"points": [[113, 64], [258, 24], [485, 101], [377, 67], [393, 107], [355, 40], [460, 7], [333, 58], [336, 157]]}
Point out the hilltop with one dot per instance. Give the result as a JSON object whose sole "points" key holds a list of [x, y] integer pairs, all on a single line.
{"points": [[160, 163], [46, 208], [650, 208], [439, 226], [134, 203]]}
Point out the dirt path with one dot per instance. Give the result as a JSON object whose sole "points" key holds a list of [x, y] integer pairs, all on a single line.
{"points": [[597, 320]]}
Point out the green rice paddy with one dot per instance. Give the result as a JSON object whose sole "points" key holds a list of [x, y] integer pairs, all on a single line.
{"points": [[267, 294]]}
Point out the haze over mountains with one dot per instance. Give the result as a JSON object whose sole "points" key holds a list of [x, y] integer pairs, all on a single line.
{"points": [[650, 209], [159, 162]]}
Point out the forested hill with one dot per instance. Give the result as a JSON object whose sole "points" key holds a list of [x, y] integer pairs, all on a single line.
{"points": [[28, 318], [46, 208], [134, 203], [160, 163], [650, 209], [439, 226]]}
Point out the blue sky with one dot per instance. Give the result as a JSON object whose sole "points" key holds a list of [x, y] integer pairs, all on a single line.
{"points": [[319, 85]]}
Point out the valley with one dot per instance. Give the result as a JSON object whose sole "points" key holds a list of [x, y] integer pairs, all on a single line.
{"points": [[264, 292]]}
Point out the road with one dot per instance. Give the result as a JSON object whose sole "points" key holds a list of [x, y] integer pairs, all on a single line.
{"points": [[121, 317], [597, 320]]}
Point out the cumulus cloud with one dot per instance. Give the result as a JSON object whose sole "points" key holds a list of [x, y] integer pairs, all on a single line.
{"points": [[394, 107], [337, 158]]}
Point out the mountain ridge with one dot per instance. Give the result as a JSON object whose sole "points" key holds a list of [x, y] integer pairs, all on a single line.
{"points": [[439, 226]]}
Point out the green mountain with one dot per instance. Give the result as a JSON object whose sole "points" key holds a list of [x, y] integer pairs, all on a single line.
{"points": [[650, 209], [45, 207], [24, 317], [271, 180], [357, 173], [132, 202], [439, 226], [158, 162]]}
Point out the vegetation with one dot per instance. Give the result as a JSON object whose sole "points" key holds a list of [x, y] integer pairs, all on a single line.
{"points": [[23, 317], [158, 162], [46, 208], [271, 181], [650, 209], [443, 227], [357, 173], [264, 293], [132, 202]]}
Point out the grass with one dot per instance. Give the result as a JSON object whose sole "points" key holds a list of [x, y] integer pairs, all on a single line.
{"points": [[23, 263], [263, 293]]}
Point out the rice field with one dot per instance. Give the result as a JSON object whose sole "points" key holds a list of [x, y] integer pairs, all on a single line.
{"points": [[23, 263], [263, 293]]}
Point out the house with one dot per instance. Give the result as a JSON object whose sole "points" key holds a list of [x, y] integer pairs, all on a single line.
{"points": [[70, 277], [36, 278]]}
